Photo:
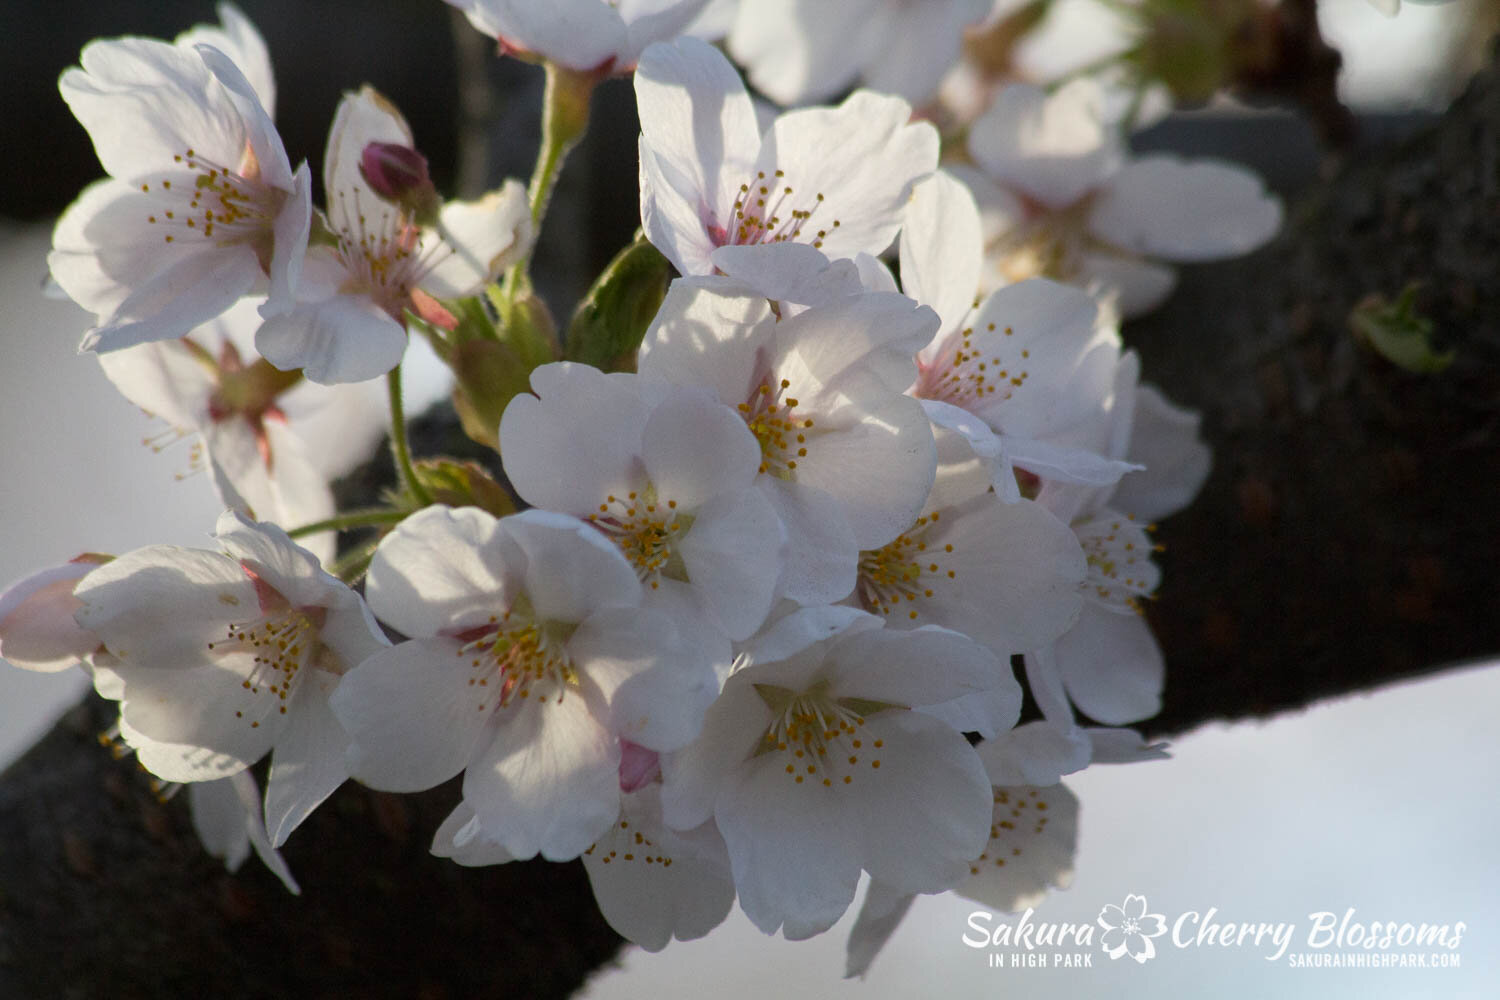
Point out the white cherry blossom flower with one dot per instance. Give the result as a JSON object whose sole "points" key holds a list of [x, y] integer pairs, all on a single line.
{"points": [[801, 51], [531, 659], [348, 324], [202, 206], [813, 748], [713, 187], [220, 657], [1063, 199], [846, 460], [604, 36], [667, 473], [211, 386]]}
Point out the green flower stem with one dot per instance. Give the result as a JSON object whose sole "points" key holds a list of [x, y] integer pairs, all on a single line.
{"points": [[400, 449], [565, 117], [365, 518]]}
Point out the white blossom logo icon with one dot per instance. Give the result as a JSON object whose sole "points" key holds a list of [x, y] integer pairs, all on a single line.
{"points": [[1128, 929]]}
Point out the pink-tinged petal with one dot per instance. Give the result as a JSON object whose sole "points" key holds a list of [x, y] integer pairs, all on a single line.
{"points": [[1185, 211], [443, 568], [942, 249], [651, 884], [639, 767], [480, 239], [362, 118], [789, 272], [1112, 666], [712, 334], [1164, 439], [549, 783], [571, 570], [37, 627], [346, 338], [876, 665], [656, 690], [1056, 148], [238, 38], [283, 565], [1032, 851], [879, 915], [925, 811], [593, 419], [813, 62], [691, 778], [309, 760], [733, 556], [795, 859], [852, 167], [1037, 753], [699, 123], [821, 552], [412, 716], [695, 448]]}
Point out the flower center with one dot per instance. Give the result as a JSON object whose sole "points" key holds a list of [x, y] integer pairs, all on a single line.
{"points": [[894, 573], [516, 659], [647, 531], [782, 434], [766, 211], [1120, 571], [962, 375], [820, 738], [206, 200], [281, 645]]}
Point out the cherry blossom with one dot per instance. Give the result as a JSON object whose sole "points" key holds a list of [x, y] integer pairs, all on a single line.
{"points": [[815, 742], [531, 659], [846, 460], [220, 657], [202, 206], [348, 324], [1062, 198], [712, 185], [37, 628]]}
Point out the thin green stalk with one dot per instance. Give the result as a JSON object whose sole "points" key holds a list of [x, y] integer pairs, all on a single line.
{"points": [[400, 449], [365, 518], [565, 118]]}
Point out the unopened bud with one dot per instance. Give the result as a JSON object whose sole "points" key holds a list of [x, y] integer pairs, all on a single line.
{"points": [[399, 174]]}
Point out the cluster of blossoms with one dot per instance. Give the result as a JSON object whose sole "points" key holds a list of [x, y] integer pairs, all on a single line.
{"points": [[758, 629]]}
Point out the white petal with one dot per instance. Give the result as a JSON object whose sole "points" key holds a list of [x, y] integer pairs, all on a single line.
{"points": [[706, 334], [1112, 667], [1037, 753], [219, 821], [480, 239], [695, 448], [571, 569], [1185, 211], [874, 332], [579, 34], [461, 838], [876, 665], [238, 38], [1123, 746], [789, 272], [443, 568], [1165, 439], [549, 783], [941, 249], [37, 627], [648, 21], [362, 117], [821, 553], [1055, 148], [813, 61], [692, 777], [346, 338], [183, 294], [879, 916], [412, 717], [1036, 837], [1135, 286], [308, 763], [733, 556], [1076, 466]]}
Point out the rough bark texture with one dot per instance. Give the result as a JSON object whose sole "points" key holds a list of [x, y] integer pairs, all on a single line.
{"points": [[1346, 538]]}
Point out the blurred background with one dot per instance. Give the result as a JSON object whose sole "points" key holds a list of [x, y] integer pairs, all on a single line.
{"points": [[1377, 802]]}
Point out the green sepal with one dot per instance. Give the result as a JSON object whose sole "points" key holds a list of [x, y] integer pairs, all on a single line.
{"points": [[1399, 333], [464, 484], [609, 324]]}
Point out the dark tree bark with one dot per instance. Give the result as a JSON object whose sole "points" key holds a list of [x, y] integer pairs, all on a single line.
{"points": [[1346, 538]]}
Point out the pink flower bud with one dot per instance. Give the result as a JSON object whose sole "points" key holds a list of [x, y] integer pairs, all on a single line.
{"points": [[37, 630], [638, 766], [399, 175]]}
